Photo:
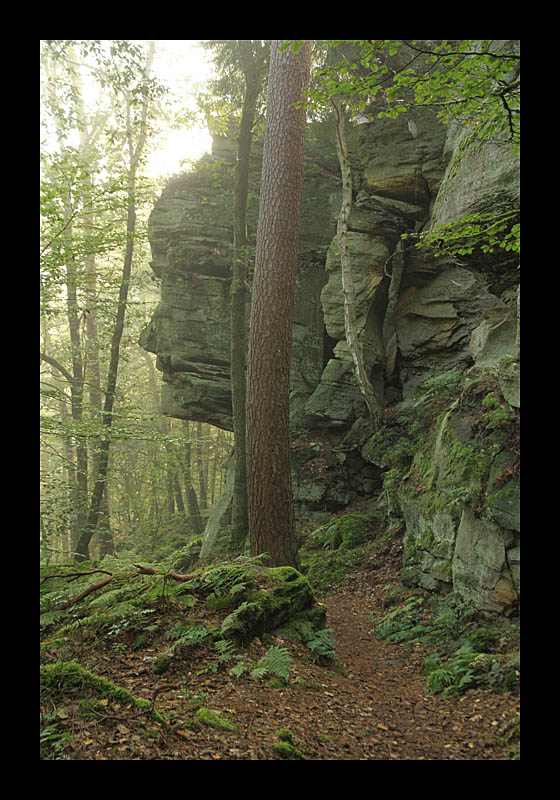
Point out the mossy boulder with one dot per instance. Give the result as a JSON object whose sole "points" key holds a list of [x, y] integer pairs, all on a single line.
{"points": [[349, 531], [460, 502], [66, 677], [286, 594], [286, 746]]}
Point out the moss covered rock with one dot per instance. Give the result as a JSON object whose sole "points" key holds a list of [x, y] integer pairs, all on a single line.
{"points": [[67, 676], [350, 530], [286, 594], [460, 502], [286, 746]]}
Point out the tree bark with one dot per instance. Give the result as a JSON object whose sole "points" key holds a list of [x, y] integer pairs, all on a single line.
{"points": [[239, 295], [271, 512], [135, 150]]}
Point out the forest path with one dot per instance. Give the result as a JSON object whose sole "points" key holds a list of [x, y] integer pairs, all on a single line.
{"points": [[377, 708], [383, 707]]}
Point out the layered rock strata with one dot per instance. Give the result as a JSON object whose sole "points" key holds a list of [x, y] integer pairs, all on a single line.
{"points": [[419, 316]]}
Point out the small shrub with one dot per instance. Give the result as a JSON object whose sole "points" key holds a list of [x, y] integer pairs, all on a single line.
{"points": [[463, 651]]}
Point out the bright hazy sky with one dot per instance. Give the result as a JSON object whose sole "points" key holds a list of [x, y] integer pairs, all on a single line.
{"points": [[183, 64]]}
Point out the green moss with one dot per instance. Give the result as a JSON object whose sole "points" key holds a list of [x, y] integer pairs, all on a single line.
{"points": [[221, 602], [286, 750], [286, 746], [206, 717], [243, 624], [350, 531], [67, 676], [285, 735], [330, 568], [287, 594], [161, 665]]}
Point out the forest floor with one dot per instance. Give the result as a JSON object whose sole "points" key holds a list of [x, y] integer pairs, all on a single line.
{"points": [[377, 708]]}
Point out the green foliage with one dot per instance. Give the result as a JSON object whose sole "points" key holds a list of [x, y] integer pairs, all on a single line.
{"points": [[440, 388], [406, 426], [322, 646], [470, 81], [51, 739], [463, 652], [484, 231], [276, 662], [189, 635], [402, 624], [226, 652], [329, 568], [473, 82]]}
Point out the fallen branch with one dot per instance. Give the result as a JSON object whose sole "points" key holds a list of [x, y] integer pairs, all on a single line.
{"points": [[174, 575], [85, 593], [140, 570], [75, 574]]}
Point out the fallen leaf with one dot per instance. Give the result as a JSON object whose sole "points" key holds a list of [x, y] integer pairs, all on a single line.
{"points": [[382, 726]]}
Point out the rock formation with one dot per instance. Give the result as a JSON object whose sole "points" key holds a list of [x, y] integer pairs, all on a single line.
{"points": [[420, 316]]}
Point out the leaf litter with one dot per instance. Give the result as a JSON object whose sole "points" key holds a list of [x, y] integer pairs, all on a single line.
{"points": [[377, 708]]}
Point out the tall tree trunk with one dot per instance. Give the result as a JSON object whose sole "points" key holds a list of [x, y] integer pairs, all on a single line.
{"points": [[202, 484], [271, 511], [192, 499], [135, 150], [106, 544], [77, 384], [239, 295], [350, 321]]}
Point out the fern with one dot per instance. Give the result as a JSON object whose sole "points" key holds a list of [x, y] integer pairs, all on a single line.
{"points": [[238, 670], [321, 645], [276, 661], [50, 617], [192, 636], [226, 651], [401, 624]]}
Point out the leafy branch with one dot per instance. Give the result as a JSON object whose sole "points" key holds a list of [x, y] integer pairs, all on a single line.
{"points": [[485, 230]]}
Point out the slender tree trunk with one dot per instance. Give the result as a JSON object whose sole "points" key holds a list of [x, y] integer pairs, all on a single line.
{"points": [[239, 296], [106, 544], [202, 484], [76, 386], [82, 548], [271, 511], [350, 322], [192, 499]]}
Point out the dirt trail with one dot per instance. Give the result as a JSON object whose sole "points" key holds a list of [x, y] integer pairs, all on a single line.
{"points": [[384, 706], [379, 708]]}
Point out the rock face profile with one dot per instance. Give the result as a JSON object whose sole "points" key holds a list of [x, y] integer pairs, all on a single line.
{"points": [[440, 336]]}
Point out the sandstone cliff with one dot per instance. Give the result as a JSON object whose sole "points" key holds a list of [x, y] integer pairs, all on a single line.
{"points": [[441, 339]]}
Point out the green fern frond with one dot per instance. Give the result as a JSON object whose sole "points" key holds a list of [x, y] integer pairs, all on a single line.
{"points": [[276, 661]]}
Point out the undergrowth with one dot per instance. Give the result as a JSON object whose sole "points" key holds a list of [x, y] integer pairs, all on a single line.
{"points": [[462, 653]]}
